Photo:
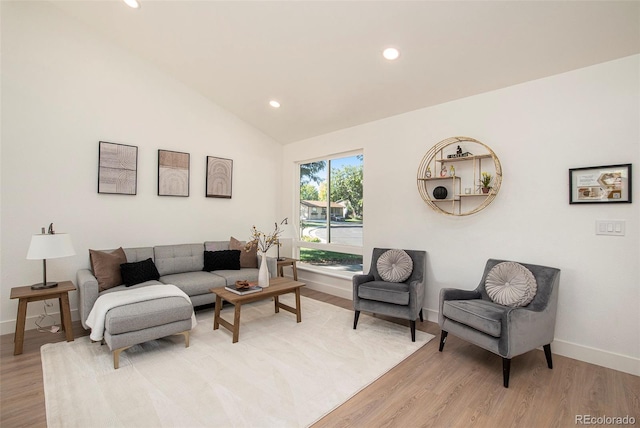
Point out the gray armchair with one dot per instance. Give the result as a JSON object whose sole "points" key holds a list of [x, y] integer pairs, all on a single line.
{"points": [[503, 330], [395, 299]]}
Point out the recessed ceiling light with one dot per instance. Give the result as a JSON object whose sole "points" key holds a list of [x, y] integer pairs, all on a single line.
{"points": [[391, 53], [274, 104], [132, 3]]}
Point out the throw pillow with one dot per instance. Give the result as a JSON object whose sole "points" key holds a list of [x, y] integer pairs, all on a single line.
{"points": [[106, 267], [511, 284], [248, 258], [394, 265], [137, 272], [221, 260]]}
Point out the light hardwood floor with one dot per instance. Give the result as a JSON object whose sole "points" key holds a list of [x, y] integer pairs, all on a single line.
{"points": [[459, 387]]}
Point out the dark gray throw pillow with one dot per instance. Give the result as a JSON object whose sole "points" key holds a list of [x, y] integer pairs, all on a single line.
{"points": [[221, 260], [137, 272]]}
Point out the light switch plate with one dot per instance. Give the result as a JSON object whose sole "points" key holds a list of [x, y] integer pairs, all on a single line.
{"points": [[610, 227]]}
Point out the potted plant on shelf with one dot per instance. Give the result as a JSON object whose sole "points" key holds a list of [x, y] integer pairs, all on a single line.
{"points": [[485, 182]]}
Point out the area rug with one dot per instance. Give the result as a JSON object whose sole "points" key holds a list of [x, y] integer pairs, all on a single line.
{"points": [[280, 373]]}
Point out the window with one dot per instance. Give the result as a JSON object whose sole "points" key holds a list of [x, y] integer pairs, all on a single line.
{"points": [[331, 213]]}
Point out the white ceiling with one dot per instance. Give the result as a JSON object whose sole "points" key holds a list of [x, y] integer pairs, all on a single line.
{"points": [[322, 59]]}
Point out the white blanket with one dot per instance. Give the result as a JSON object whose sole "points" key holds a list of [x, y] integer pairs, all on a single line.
{"points": [[104, 303]]}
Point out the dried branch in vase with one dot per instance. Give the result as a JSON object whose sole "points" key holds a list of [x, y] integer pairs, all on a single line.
{"points": [[262, 240]]}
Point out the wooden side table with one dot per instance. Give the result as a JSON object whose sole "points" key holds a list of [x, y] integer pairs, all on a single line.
{"points": [[26, 294], [286, 261]]}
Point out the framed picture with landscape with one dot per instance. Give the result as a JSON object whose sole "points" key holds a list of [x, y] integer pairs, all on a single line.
{"points": [[173, 173], [117, 168], [600, 184], [219, 177]]}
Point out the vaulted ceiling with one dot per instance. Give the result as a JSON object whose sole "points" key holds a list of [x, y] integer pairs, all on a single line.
{"points": [[322, 59]]}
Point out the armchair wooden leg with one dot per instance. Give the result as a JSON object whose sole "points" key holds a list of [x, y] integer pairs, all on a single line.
{"points": [[413, 330], [547, 353], [421, 319], [443, 338], [506, 369], [355, 319]]}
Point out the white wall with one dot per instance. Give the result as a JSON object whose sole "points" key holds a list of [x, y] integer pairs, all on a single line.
{"points": [[65, 88], [539, 130]]}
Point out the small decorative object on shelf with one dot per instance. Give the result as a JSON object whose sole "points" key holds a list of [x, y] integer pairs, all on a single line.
{"points": [[440, 192], [459, 154], [428, 173], [485, 182], [452, 171], [443, 171]]}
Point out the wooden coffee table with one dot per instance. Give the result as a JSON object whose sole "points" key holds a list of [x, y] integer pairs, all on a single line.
{"points": [[277, 287]]}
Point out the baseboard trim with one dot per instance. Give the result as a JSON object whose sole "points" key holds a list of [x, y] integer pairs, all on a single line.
{"points": [[611, 360], [9, 327], [599, 357]]}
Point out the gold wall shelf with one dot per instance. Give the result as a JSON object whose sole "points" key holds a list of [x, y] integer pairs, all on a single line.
{"points": [[462, 172]]}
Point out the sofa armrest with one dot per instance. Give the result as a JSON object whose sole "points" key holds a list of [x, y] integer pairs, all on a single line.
{"points": [[358, 280], [87, 294], [455, 294]]}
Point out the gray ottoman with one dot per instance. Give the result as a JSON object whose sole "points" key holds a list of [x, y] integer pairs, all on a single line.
{"points": [[140, 322]]}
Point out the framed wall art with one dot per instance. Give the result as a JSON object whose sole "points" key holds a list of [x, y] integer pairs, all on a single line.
{"points": [[117, 168], [219, 176], [600, 184], [173, 173]]}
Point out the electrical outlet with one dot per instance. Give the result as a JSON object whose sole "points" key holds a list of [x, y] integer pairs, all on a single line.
{"points": [[610, 227]]}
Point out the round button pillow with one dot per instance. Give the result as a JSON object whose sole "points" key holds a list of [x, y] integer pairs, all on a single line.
{"points": [[394, 266], [511, 284]]}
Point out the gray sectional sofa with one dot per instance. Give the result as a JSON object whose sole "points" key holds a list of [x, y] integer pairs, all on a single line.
{"points": [[180, 265]]}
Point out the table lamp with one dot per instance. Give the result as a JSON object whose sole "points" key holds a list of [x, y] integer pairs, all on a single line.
{"points": [[49, 245]]}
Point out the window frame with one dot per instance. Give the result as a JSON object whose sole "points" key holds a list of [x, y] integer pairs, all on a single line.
{"points": [[298, 243]]}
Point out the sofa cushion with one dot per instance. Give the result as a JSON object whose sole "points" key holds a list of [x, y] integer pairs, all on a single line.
{"points": [[244, 274], [482, 315], [150, 313], [180, 258], [382, 291], [394, 265], [511, 284], [248, 258], [194, 283], [221, 260], [138, 272], [106, 267], [216, 245], [139, 253]]}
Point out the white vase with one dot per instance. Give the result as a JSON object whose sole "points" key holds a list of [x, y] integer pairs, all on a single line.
{"points": [[263, 273]]}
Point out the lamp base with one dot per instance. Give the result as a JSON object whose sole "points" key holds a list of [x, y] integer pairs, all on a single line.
{"points": [[42, 286]]}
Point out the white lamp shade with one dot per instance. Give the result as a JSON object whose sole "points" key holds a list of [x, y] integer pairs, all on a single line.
{"points": [[50, 246]]}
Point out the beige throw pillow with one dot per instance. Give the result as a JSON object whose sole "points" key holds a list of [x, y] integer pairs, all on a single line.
{"points": [[248, 259], [511, 284], [106, 267], [395, 265]]}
